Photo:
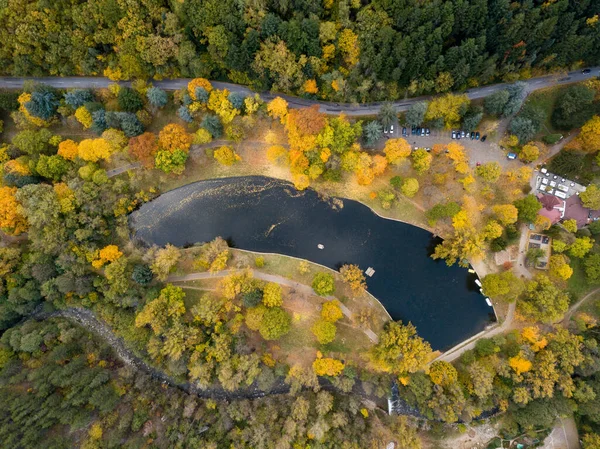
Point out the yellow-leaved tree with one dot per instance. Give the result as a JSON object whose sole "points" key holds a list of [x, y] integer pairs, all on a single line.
{"points": [[11, 220], [325, 366], [92, 150], [68, 149], [278, 108]]}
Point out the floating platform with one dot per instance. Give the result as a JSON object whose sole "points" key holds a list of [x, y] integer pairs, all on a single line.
{"points": [[370, 271], [478, 282], [489, 303]]}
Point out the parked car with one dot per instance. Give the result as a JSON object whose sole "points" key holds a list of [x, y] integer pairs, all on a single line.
{"points": [[586, 70], [483, 138], [413, 130], [422, 131], [511, 156], [418, 131], [454, 134], [477, 135], [391, 129], [404, 131], [472, 135], [427, 131], [462, 134], [458, 135]]}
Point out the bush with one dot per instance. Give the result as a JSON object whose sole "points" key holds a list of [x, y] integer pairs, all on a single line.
{"points": [[551, 139], [259, 261], [396, 182]]}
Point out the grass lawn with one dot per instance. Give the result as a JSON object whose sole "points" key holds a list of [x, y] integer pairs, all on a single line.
{"points": [[578, 285]]}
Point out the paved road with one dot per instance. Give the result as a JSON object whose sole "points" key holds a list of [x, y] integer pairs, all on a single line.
{"points": [[296, 102]]}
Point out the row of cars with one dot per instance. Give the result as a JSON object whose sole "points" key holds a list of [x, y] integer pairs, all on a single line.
{"points": [[467, 135], [416, 131]]}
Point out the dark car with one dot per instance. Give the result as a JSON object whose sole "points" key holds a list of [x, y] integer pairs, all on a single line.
{"points": [[458, 135], [586, 70], [483, 138], [427, 131], [413, 130], [472, 136], [418, 131], [477, 135], [404, 131]]}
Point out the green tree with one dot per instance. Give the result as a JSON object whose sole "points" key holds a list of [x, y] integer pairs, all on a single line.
{"points": [[421, 161], [129, 100], [592, 268], [372, 132], [543, 300], [387, 114], [416, 114], [504, 285], [410, 187], [528, 208], [275, 323]]}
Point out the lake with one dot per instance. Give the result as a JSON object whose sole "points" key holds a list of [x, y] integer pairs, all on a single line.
{"points": [[268, 215]]}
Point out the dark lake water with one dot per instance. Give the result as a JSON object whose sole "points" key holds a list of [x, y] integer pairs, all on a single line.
{"points": [[267, 215]]}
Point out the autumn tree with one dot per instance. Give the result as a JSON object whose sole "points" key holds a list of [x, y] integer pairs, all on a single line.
{"points": [[164, 261], [504, 285], [272, 295], [225, 155], [174, 137], [201, 83], [323, 284], [324, 331], [529, 153], [144, 148], [449, 108], [506, 213], [11, 219], [324, 366], [589, 137], [108, 254], [331, 311], [162, 311], [68, 149], [581, 247], [442, 373], [410, 187], [421, 160], [400, 349], [396, 150], [489, 172], [559, 267], [353, 276], [528, 208], [591, 197], [93, 150], [278, 109]]}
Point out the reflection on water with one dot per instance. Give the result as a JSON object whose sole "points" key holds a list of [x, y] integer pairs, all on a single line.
{"points": [[268, 215]]}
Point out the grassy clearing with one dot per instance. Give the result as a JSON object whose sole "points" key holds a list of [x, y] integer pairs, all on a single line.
{"points": [[544, 99], [578, 285]]}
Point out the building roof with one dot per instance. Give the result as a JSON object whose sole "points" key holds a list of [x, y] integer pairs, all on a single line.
{"points": [[548, 201], [574, 210], [553, 214]]}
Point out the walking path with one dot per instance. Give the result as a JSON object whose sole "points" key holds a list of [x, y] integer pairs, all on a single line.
{"points": [[297, 102], [574, 307], [303, 288]]}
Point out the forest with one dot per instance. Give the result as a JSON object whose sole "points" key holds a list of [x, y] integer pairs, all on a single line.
{"points": [[66, 247], [343, 50]]}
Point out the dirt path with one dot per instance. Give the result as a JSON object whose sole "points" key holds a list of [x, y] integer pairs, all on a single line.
{"points": [[303, 288]]}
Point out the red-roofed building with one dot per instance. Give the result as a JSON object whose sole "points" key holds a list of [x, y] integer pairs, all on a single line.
{"points": [[575, 211], [553, 207]]}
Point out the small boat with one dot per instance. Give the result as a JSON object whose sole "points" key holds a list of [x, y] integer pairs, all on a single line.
{"points": [[471, 270], [320, 246], [489, 303], [478, 282]]}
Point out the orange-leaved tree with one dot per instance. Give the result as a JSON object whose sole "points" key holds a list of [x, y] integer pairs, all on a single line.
{"points": [[174, 137], [144, 148]]}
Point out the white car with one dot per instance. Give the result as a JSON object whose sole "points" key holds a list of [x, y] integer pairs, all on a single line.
{"points": [[391, 129]]}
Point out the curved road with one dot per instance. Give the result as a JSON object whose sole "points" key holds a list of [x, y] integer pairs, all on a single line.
{"points": [[296, 102]]}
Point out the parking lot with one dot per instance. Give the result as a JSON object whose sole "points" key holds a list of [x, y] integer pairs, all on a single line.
{"points": [[478, 151]]}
